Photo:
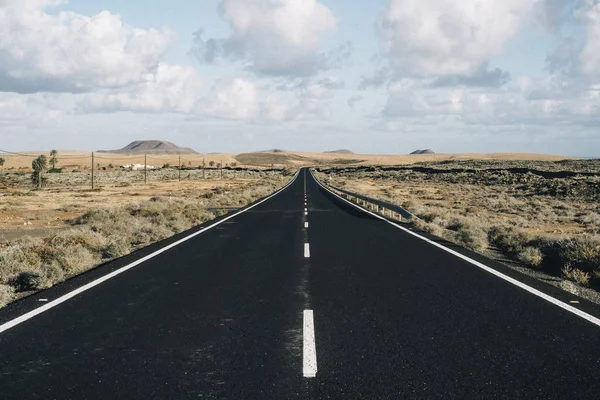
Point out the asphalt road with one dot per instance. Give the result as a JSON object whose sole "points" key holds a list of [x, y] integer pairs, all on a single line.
{"points": [[222, 316]]}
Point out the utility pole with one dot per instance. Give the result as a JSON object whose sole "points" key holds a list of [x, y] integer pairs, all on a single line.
{"points": [[179, 168], [203, 171], [92, 170], [145, 169], [221, 169]]}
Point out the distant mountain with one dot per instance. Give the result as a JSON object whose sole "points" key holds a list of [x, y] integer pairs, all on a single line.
{"points": [[151, 147], [272, 151], [341, 151], [426, 151]]}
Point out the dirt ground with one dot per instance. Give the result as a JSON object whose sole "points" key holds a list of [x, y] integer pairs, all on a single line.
{"points": [[28, 211]]}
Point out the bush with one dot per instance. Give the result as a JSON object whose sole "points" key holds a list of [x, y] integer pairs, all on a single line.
{"points": [[531, 256], [6, 294], [582, 253], [76, 258], [508, 240], [577, 275], [474, 238]]}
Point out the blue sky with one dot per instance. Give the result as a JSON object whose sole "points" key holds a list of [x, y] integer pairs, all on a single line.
{"points": [[374, 76]]}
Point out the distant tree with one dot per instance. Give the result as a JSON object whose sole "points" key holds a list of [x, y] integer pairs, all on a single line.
{"points": [[211, 163], [189, 163], [2, 161], [39, 165], [218, 165], [167, 165], [54, 158], [110, 166], [234, 164]]}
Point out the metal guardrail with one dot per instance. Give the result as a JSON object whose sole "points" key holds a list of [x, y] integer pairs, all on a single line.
{"points": [[383, 208]]}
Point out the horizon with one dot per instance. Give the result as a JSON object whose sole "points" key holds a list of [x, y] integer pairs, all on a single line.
{"points": [[309, 75]]}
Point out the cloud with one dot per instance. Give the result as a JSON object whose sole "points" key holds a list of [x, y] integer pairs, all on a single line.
{"points": [[482, 77], [589, 58], [169, 89], [68, 52], [431, 38], [231, 99], [352, 101], [275, 37], [379, 79]]}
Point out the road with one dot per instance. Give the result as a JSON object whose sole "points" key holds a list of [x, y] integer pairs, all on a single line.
{"points": [[231, 313]]}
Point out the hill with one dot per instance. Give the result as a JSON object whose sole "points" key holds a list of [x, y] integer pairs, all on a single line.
{"points": [[426, 151], [151, 147], [272, 151], [341, 151]]}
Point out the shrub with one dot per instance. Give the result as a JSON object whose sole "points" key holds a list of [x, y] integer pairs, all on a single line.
{"points": [[508, 240], [577, 275], [582, 253], [76, 259], [117, 247], [474, 238], [6, 294], [531, 256]]}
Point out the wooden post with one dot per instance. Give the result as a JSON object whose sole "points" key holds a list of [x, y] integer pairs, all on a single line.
{"points": [[92, 170], [203, 170], [179, 168], [221, 169], [145, 169]]}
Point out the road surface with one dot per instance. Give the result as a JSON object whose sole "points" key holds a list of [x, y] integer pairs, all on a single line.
{"points": [[302, 296]]}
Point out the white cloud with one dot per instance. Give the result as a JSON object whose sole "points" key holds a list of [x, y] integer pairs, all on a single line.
{"points": [[278, 37], [589, 57], [169, 89], [68, 52], [448, 37], [234, 99]]}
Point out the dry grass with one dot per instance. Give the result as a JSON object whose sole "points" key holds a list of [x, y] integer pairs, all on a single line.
{"points": [[542, 214], [100, 230]]}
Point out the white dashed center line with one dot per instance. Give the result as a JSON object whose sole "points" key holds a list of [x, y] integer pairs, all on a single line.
{"points": [[306, 224], [306, 250], [309, 362]]}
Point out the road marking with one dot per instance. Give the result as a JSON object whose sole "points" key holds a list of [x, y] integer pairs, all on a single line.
{"points": [[306, 209], [306, 224], [535, 292], [309, 352], [306, 250], [305, 212], [62, 299]]}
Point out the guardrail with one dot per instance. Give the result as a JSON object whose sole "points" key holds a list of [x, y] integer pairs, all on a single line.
{"points": [[383, 208]]}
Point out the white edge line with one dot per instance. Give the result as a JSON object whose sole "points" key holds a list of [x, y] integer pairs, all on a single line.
{"points": [[63, 298], [492, 271], [309, 349], [306, 250]]}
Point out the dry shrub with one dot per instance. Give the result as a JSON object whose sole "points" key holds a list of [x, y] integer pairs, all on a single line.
{"points": [[6, 294], [472, 237], [582, 253], [508, 239], [531, 256], [76, 259], [577, 275]]}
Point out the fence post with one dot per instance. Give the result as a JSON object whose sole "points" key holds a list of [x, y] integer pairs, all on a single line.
{"points": [[92, 170]]}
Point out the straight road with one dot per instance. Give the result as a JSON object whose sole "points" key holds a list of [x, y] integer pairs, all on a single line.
{"points": [[302, 296]]}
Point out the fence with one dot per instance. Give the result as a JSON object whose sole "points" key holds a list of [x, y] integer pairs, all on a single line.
{"points": [[97, 170]]}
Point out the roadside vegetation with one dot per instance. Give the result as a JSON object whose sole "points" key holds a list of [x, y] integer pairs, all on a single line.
{"points": [[544, 216], [99, 234]]}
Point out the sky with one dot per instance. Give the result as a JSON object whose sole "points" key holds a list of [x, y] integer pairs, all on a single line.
{"points": [[372, 76]]}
